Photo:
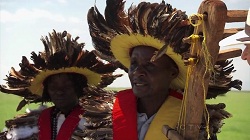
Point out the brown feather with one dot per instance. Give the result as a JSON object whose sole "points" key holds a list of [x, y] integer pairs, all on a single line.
{"points": [[143, 16], [159, 53], [21, 105], [115, 15], [13, 72]]}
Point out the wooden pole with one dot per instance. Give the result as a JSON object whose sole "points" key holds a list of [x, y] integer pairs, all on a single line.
{"points": [[229, 53], [214, 24], [231, 31], [236, 16]]}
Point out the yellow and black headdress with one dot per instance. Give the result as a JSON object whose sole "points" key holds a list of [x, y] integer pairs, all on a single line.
{"points": [[151, 24], [154, 25], [62, 54], [157, 25]]}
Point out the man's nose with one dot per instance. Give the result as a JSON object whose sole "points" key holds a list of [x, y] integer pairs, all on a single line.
{"points": [[140, 71], [59, 92]]}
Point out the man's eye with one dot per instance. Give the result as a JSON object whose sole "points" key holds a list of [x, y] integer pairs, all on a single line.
{"points": [[133, 65], [149, 66]]}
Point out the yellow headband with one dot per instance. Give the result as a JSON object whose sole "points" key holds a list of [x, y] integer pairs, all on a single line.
{"points": [[122, 44], [36, 86]]}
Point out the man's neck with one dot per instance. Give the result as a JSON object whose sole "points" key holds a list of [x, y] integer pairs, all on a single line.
{"points": [[67, 110], [150, 105]]}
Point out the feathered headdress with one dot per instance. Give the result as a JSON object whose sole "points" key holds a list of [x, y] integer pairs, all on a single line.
{"points": [[62, 55], [156, 25], [151, 24]]}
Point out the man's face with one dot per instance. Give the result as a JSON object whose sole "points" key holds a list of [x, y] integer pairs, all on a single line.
{"points": [[62, 91], [246, 54], [150, 78]]}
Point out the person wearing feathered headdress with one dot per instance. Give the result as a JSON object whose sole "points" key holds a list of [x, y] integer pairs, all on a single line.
{"points": [[62, 74], [147, 43]]}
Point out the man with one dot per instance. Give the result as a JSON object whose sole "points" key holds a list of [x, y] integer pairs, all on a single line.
{"points": [[154, 100], [242, 37], [147, 42], [62, 74]]}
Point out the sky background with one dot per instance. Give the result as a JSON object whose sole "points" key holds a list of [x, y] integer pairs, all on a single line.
{"points": [[23, 22]]}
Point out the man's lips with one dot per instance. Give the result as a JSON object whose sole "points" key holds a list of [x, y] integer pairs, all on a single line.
{"points": [[139, 83]]}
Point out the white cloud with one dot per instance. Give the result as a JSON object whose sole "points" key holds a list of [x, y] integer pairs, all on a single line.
{"points": [[74, 20], [26, 14], [34, 14], [232, 1], [50, 2], [62, 1]]}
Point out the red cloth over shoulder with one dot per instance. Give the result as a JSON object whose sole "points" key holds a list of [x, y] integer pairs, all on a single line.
{"points": [[125, 116]]}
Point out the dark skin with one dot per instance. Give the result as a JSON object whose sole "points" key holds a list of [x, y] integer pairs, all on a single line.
{"points": [[62, 92], [150, 80]]}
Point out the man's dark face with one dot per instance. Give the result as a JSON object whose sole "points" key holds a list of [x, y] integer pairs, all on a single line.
{"points": [[62, 91], [150, 78]]}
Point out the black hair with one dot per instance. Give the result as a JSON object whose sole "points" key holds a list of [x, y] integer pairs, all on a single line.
{"points": [[79, 82]]}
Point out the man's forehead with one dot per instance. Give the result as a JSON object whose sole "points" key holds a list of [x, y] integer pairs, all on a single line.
{"points": [[145, 52]]}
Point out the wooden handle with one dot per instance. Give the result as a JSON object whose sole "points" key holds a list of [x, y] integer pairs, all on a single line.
{"points": [[236, 15], [231, 31], [170, 133], [229, 53]]}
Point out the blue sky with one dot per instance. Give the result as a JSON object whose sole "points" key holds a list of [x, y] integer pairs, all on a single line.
{"points": [[22, 23]]}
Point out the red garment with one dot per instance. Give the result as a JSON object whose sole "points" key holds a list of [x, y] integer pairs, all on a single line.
{"points": [[66, 129], [125, 115]]}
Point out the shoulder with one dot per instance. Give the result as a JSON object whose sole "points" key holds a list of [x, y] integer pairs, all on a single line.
{"points": [[129, 91], [176, 94], [124, 94]]}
